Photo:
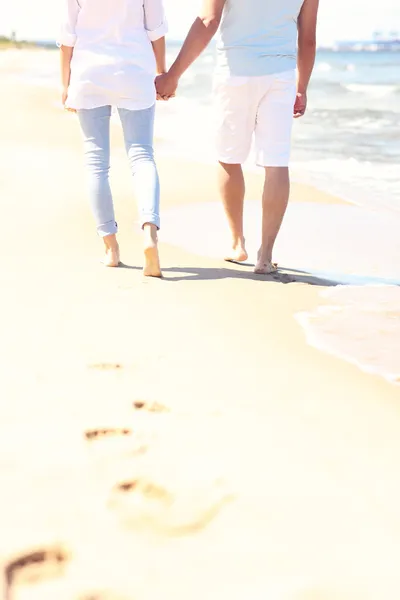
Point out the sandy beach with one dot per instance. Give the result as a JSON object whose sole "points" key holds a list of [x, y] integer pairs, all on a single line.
{"points": [[173, 439]]}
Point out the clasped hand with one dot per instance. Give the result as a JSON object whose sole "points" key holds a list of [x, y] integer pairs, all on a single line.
{"points": [[166, 86]]}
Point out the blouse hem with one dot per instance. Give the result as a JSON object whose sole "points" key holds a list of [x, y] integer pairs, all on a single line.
{"points": [[120, 104]]}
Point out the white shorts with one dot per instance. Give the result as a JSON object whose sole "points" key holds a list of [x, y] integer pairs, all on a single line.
{"points": [[259, 106]]}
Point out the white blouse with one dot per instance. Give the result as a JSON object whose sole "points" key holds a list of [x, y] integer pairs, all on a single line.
{"points": [[113, 61]]}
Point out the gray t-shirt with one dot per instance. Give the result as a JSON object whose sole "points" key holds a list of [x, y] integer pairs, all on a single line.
{"points": [[258, 37]]}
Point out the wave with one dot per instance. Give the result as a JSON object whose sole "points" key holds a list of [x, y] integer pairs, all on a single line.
{"points": [[374, 90], [323, 67], [371, 185], [360, 325], [377, 90], [327, 67]]}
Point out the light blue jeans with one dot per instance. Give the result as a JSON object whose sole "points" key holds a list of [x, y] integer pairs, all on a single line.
{"points": [[138, 128]]}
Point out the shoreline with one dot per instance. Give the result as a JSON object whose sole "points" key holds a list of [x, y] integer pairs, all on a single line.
{"points": [[315, 338]]}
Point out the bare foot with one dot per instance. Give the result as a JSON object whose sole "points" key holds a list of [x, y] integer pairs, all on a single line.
{"points": [[238, 253], [112, 256], [152, 260], [265, 267]]}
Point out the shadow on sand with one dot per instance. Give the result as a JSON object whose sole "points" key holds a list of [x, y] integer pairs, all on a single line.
{"points": [[283, 275]]}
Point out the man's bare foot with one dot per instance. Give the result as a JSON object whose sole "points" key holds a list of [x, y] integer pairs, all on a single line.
{"points": [[238, 252], [265, 268], [264, 265], [152, 260], [112, 255]]}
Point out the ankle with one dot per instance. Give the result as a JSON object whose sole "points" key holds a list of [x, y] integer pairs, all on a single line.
{"points": [[238, 241], [265, 254], [150, 232], [110, 242]]}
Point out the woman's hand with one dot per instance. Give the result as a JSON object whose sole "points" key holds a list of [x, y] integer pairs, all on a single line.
{"points": [[64, 98]]}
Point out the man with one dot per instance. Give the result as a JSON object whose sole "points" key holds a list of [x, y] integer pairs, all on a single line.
{"points": [[256, 90]]}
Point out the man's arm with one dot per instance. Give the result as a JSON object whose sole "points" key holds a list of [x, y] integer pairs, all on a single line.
{"points": [[200, 35], [307, 42]]}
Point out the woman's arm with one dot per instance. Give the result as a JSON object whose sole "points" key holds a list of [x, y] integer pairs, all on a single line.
{"points": [[155, 21], [66, 53], [66, 42], [156, 26], [159, 50]]}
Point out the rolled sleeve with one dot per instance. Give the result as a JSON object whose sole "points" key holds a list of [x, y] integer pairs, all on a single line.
{"points": [[67, 34], [158, 33], [155, 20]]}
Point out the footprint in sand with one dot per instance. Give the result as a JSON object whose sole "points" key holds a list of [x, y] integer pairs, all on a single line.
{"points": [[121, 440], [143, 503], [104, 596], [35, 566], [106, 366], [152, 407], [98, 434]]}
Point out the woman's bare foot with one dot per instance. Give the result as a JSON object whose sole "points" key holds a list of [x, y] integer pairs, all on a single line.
{"points": [[238, 252], [112, 256], [264, 265], [151, 258]]}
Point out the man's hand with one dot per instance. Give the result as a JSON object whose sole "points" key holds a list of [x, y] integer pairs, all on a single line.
{"points": [[300, 105], [166, 86]]}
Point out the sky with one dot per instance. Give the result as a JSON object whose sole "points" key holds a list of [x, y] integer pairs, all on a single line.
{"points": [[39, 19]]}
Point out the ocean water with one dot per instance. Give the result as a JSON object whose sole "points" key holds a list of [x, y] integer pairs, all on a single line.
{"points": [[361, 325], [347, 144]]}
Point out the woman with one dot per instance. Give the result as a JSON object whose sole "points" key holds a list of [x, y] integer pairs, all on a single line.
{"points": [[111, 51]]}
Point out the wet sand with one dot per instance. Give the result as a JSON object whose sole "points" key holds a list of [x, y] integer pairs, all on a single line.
{"points": [[178, 438]]}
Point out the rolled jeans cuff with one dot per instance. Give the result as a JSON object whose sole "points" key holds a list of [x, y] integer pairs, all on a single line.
{"points": [[110, 228], [150, 218]]}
